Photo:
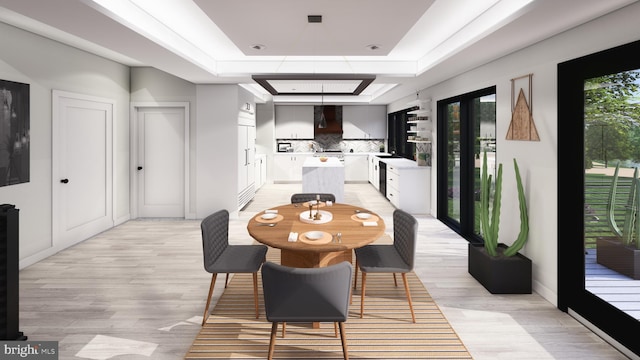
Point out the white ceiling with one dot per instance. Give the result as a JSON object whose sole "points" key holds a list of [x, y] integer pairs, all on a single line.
{"points": [[419, 42]]}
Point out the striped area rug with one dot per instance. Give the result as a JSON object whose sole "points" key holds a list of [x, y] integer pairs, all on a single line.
{"points": [[386, 331]]}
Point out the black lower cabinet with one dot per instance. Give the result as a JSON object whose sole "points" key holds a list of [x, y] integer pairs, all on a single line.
{"points": [[382, 171]]}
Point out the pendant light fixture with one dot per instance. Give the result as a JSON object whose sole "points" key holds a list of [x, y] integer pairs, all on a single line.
{"points": [[322, 124]]}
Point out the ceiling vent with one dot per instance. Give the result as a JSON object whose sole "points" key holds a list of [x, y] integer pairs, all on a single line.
{"points": [[314, 18]]}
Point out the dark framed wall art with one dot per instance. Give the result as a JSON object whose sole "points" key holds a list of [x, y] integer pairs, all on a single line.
{"points": [[14, 133]]}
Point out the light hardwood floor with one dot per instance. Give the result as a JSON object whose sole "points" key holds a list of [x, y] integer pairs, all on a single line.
{"points": [[138, 292]]}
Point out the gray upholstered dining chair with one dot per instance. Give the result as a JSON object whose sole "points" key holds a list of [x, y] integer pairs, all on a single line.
{"points": [[220, 257], [395, 258], [304, 197], [306, 295]]}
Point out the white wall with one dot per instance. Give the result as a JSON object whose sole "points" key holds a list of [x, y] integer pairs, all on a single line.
{"points": [[47, 65], [213, 134], [538, 161], [149, 85], [217, 111]]}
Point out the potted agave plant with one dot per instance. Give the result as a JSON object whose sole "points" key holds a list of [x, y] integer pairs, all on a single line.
{"points": [[621, 251], [501, 269]]}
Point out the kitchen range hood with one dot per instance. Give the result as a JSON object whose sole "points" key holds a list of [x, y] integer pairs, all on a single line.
{"points": [[332, 119]]}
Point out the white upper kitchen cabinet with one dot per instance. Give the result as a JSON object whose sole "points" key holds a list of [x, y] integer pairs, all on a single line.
{"points": [[294, 121], [364, 122]]}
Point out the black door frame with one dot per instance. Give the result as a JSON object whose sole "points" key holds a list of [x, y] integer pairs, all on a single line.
{"points": [[571, 260], [465, 227]]}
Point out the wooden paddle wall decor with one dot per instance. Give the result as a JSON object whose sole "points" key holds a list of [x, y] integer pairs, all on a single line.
{"points": [[522, 126]]}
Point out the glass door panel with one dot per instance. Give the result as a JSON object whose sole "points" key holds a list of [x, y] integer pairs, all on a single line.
{"points": [[466, 127], [611, 157], [453, 168], [484, 120]]}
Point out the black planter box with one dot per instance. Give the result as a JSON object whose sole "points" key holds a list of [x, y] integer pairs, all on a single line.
{"points": [[500, 274], [620, 258]]}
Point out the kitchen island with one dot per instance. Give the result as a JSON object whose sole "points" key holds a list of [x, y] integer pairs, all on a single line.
{"points": [[323, 177]]}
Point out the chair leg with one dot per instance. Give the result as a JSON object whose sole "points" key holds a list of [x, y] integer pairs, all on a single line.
{"points": [[284, 329], [343, 338], [395, 280], [335, 328], [206, 308], [362, 291], [226, 280], [272, 340], [255, 293], [406, 289], [355, 275], [355, 283]]}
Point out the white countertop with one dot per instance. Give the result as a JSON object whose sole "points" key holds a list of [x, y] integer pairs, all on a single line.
{"points": [[329, 154], [291, 153], [314, 161], [402, 163]]}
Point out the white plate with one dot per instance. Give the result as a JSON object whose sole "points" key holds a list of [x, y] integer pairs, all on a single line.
{"points": [[313, 202], [363, 216], [314, 235], [269, 216]]}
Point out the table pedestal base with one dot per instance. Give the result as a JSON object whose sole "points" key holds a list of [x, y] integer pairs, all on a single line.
{"points": [[303, 259]]}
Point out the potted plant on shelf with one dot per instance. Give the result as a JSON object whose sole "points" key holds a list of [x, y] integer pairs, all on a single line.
{"points": [[501, 269], [621, 251]]}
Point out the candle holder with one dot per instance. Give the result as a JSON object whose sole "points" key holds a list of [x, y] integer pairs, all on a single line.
{"points": [[317, 216]]}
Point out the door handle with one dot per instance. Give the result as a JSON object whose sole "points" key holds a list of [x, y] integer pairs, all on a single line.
{"points": [[139, 167], [64, 181]]}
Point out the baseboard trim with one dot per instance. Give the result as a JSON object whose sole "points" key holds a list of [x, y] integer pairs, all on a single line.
{"points": [[603, 335]]}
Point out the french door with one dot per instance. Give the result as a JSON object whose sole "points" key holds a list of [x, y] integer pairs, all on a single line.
{"points": [[598, 130], [466, 128]]}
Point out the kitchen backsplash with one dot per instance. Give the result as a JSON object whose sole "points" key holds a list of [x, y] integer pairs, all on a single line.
{"points": [[335, 142]]}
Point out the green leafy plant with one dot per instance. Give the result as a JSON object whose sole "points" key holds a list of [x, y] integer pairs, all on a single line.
{"points": [[490, 215], [611, 203]]}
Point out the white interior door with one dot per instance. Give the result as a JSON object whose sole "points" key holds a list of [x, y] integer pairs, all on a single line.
{"points": [[161, 164], [82, 167]]}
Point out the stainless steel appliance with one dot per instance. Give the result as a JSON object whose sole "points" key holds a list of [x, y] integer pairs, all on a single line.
{"points": [[284, 147], [382, 168]]}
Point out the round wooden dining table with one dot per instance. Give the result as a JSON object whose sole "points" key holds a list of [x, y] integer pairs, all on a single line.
{"points": [[305, 252]]}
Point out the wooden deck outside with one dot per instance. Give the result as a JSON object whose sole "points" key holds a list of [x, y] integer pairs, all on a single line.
{"points": [[619, 290]]}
